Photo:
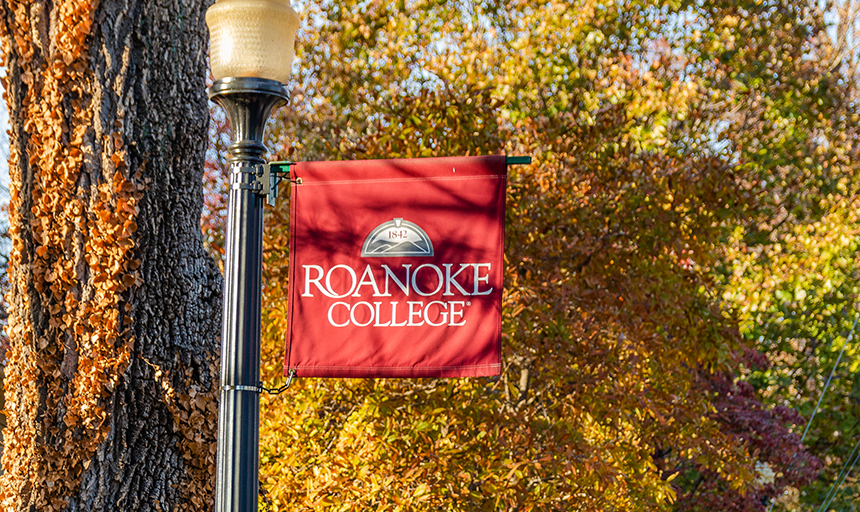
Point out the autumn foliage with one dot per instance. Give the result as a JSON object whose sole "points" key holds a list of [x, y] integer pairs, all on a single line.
{"points": [[664, 137], [680, 272]]}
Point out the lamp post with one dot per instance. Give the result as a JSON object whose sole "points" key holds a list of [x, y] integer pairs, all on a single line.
{"points": [[251, 53]]}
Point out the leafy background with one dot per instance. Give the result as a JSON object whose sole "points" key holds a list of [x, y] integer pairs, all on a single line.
{"points": [[680, 258], [681, 276]]}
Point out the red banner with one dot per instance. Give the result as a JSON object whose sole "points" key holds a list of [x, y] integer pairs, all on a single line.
{"points": [[396, 268]]}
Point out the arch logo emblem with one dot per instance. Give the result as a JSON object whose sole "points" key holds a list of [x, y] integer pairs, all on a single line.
{"points": [[397, 238]]}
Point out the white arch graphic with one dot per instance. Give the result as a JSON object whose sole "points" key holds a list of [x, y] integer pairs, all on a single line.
{"points": [[397, 238]]}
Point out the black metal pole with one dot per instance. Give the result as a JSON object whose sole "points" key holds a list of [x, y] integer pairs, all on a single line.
{"points": [[248, 102]]}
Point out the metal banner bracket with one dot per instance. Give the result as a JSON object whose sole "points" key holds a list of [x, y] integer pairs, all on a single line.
{"points": [[518, 160], [268, 177]]}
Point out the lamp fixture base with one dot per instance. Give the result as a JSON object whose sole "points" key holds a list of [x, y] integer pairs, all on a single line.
{"points": [[249, 102]]}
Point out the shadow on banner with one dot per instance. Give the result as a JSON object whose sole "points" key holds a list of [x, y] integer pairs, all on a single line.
{"points": [[396, 268]]}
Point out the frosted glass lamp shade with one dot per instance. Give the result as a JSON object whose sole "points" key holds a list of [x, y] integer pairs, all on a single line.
{"points": [[252, 38]]}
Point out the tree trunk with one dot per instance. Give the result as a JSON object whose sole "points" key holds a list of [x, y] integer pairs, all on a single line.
{"points": [[111, 384]]}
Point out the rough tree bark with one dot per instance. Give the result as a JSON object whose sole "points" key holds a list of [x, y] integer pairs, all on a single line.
{"points": [[111, 383]]}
